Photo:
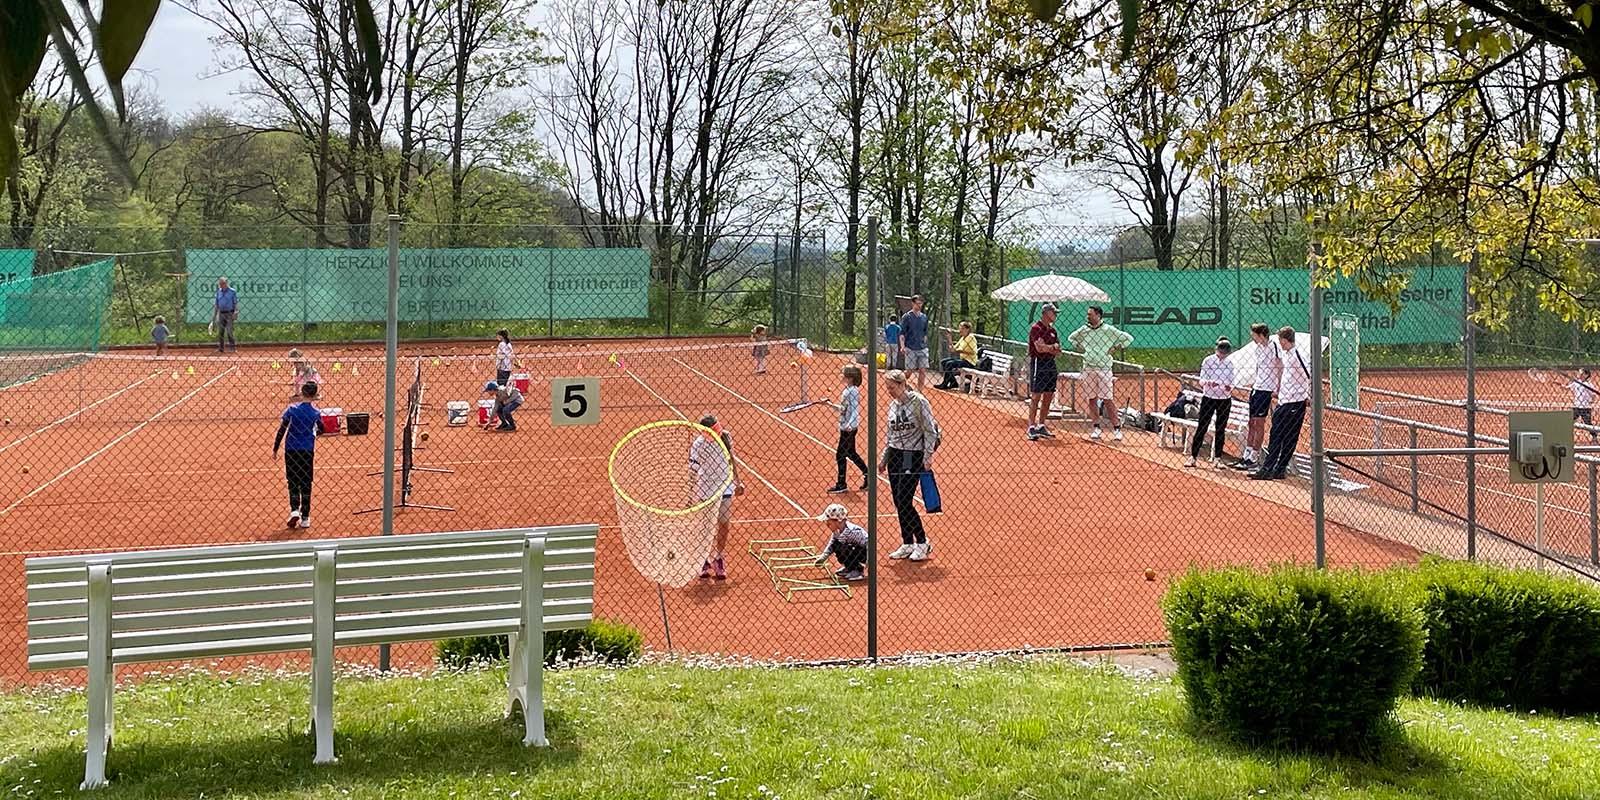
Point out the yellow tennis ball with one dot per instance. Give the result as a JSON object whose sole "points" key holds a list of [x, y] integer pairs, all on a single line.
{"points": [[793, 364], [8, 420], [424, 436], [24, 469]]}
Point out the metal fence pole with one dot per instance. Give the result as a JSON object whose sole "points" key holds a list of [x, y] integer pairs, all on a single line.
{"points": [[550, 292], [391, 347], [1594, 525], [1470, 342], [871, 412], [1319, 466], [1413, 430]]}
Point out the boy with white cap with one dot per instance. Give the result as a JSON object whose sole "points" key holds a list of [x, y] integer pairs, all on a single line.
{"points": [[847, 542]]}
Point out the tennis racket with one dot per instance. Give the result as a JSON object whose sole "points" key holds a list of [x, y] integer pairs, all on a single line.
{"points": [[789, 409]]}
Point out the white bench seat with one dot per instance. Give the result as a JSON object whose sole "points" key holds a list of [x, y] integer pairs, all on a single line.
{"points": [[977, 381], [99, 610], [1177, 430]]}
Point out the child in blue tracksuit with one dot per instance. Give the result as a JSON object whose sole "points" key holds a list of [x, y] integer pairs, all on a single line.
{"points": [[297, 434]]}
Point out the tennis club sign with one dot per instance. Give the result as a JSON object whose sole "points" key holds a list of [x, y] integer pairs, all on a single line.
{"points": [[301, 286], [1189, 308]]}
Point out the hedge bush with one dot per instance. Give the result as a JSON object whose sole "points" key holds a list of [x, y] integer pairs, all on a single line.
{"points": [[602, 640], [1505, 637], [1293, 657]]}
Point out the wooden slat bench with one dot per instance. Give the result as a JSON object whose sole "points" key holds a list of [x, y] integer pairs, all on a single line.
{"points": [[1300, 465], [99, 610]]}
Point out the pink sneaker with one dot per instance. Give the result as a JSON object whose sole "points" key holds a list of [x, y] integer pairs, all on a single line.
{"points": [[705, 569], [721, 569]]}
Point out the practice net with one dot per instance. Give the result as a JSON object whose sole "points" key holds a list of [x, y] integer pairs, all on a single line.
{"points": [[59, 311], [668, 479]]}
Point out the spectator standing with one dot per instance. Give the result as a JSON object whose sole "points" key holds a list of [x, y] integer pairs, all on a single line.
{"points": [[914, 337], [1268, 364], [1044, 344], [224, 312], [1099, 342], [893, 354], [1583, 397], [1216, 402], [964, 355], [1294, 389], [908, 450]]}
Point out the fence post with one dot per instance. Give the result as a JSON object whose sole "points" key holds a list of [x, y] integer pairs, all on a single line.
{"points": [[550, 291], [1594, 526], [391, 346], [1413, 430], [871, 412], [1470, 342], [669, 285], [1319, 465]]}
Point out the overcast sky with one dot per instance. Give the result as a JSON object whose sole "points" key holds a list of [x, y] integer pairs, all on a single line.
{"points": [[178, 63]]}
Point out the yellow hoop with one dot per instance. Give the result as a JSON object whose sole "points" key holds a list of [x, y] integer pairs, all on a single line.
{"points": [[716, 497]]}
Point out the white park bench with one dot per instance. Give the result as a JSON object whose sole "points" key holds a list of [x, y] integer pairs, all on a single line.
{"points": [[103, 609], [1177, 430], [998, 376], [1300, 465]]}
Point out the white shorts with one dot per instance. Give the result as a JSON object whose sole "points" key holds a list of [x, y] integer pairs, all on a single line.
{"points": [[1096, 384], [725, 511]]}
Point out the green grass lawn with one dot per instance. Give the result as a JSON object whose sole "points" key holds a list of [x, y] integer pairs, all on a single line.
{"points": [[1037, 729]]}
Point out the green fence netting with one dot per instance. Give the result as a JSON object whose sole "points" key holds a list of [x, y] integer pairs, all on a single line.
{"points": [[57, 311]]}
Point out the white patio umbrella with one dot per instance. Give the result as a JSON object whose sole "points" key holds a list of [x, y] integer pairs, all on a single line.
{"points": [[1244, 358], [1051, 288]]}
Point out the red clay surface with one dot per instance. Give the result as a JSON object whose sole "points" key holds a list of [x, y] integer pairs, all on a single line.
{"points": [[1041, 544], [1502, 507]]}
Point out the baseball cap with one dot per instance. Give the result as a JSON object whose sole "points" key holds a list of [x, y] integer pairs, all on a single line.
{"points": [[1047, 307], [1223, 343], [491, 386], [834, 511]]}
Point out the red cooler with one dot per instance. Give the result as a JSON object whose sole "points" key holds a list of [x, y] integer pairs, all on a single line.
{"points": [[485, 409], [520, 380], [330, 420]]}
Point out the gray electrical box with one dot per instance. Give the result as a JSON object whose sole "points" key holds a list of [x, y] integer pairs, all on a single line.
{"points": [[1541, 446]]}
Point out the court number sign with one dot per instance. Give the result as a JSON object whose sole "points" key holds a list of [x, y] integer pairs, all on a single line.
{"points": [[574, 401]]}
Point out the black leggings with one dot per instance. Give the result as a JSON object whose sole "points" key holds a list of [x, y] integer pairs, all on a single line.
{"points": [[846, 451], [297, 471], [1211, 408], [905, 473]]}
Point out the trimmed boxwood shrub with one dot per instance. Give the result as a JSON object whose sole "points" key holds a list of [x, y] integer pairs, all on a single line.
{"points": [[610, 642], [1504, 637], [1293, 657]]}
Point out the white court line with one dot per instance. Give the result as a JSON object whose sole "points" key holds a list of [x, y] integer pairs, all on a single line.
{"points": [[741, 461], [135, 429], [79, 411], [321, 469], [753, 404]]}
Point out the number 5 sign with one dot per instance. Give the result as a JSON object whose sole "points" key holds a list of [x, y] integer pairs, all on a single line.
{"points": [[574, 401]]}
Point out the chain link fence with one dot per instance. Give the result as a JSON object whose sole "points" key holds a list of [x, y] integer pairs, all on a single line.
{"points": [[991, 535]]}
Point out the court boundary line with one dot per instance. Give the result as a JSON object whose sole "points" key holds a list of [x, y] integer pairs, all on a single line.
{"points": [[741, 461], [321, 469], [114, 442], [916, 498], [129, 387]]}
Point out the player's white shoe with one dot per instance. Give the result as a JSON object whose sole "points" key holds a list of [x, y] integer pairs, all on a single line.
{"points": [[1095, 434], [919, 552], [903, 551], [1188, 461], [1116, 434], [306, 523], [294, 520]]}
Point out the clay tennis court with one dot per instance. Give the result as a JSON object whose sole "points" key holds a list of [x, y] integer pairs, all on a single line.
{"points": [[1040, 545]]}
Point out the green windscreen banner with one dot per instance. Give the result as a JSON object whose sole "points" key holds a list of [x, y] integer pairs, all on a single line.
{"points": [[63, 310], [15, 265], [301, 286], [1191, 308]]}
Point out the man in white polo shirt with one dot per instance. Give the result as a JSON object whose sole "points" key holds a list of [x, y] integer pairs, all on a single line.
{"points": [[1294, 389], [1268, 364]]}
